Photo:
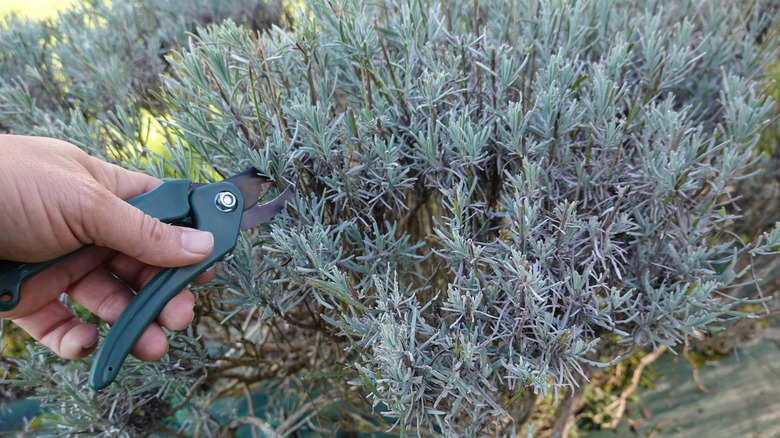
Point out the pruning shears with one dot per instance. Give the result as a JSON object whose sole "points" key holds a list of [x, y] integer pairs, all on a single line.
{"points": [[224, 208]]}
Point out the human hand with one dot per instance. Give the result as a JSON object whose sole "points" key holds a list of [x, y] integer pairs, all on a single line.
{"points": [[55, 199]]}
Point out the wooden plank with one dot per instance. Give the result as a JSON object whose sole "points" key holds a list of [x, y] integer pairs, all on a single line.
{"points": [[742, 398]]}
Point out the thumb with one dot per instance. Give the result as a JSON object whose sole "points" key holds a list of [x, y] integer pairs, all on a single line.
{"points": [[120, 226]]}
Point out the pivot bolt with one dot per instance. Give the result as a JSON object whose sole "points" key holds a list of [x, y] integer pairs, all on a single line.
{"points": [[226, 201]]}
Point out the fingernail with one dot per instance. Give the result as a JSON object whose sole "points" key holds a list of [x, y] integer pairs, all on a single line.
{"points": [[199, 242], [89, 347]]}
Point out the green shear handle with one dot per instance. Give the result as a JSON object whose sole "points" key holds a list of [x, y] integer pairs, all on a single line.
{"points": [[150, 300]]}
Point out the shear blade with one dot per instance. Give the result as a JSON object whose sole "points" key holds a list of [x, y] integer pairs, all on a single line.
{"points": [[252, 185], [258, 214]]}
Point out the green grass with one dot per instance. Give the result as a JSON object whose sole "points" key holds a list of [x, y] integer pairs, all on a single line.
{"points": [[36, 9]]}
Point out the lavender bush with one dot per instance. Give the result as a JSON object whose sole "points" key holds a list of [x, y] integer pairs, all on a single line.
{"points": [[494, 198]]}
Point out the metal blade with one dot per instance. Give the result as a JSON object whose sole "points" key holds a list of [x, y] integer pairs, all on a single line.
{"points": [[258, 214], [252, 185]]}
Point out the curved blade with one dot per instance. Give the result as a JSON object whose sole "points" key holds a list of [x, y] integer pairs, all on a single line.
{"points": [[252, 185], [258, 214]]}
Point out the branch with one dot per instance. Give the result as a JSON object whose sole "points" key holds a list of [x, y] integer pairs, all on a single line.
{"points": [[618, 407], [264, 427]]}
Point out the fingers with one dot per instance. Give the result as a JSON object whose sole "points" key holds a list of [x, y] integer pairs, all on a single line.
{"points": [[104, 295], [178, 313], [89, 283], [47, 286], [56, 327], [137, 274]]}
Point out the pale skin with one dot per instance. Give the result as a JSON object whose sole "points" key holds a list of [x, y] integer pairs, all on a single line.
{"points": [[54, 199]]}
